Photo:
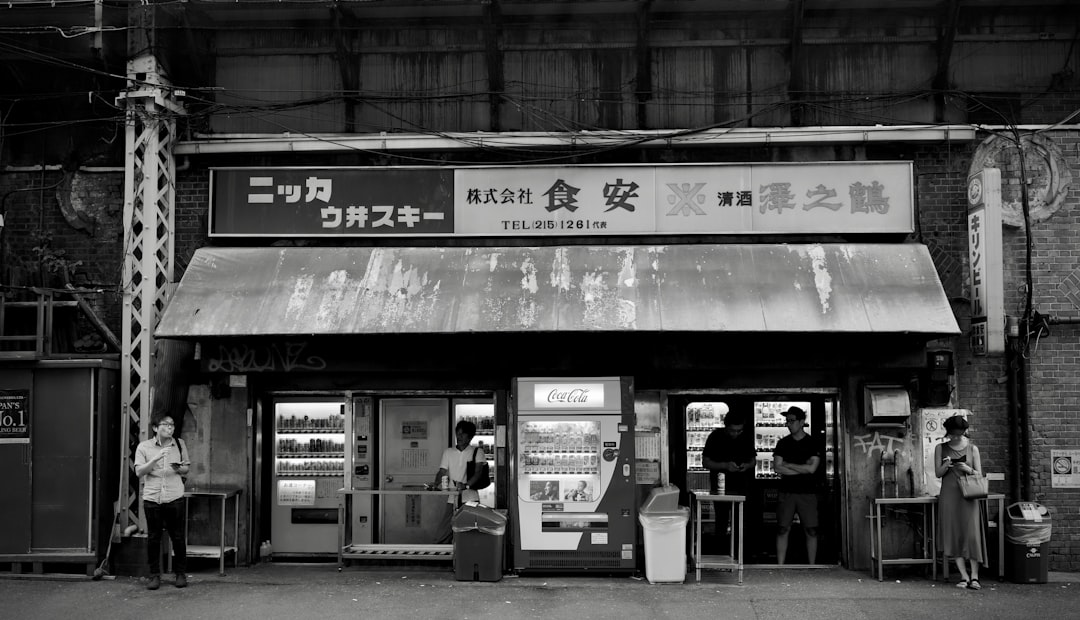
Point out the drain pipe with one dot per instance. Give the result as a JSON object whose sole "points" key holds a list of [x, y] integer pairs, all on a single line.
{"points": [[1013, 359]]}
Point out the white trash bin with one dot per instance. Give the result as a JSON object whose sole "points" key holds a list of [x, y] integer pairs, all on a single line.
{"points": [[665, 544]]}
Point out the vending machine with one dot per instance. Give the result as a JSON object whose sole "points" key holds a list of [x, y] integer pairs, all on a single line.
{"points": [[702, 418], [573, 504], [309, 467]]}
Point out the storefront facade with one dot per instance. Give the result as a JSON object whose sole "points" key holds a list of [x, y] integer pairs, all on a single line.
{"points": [[755, 324]]}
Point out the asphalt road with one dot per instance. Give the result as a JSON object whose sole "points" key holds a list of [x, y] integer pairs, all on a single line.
{"points": [[271, 592]]}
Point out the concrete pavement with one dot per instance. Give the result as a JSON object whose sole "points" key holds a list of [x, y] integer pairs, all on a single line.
{"points": [[294, 591]]}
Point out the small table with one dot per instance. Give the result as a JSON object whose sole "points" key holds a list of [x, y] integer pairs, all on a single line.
{"points": [[348, 551], [223, 494], [928, 507], [1000, 499], [732, 562]]}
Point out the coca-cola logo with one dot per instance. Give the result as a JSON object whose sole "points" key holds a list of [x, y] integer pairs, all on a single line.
{"points": [[576, 395], [568, 395]]}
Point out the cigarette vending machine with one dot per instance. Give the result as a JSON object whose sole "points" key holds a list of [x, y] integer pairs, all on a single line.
{"points": [[572, 489], [359, 469]]}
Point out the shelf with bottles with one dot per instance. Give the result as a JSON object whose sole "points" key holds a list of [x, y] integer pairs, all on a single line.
{"points": [[331, 445], [310, 424], [297, 466], [693, 461], [565, 463], [705, 416], [765, 439], [485, 424], [763, 468], [695, 440], [555, 438]]}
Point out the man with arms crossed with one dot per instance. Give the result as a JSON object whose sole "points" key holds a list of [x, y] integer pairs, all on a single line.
{"points": [[796, 458]]}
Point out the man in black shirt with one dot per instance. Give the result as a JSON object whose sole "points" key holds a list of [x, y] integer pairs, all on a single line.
{"points": [[796, 458], [729, 451]]}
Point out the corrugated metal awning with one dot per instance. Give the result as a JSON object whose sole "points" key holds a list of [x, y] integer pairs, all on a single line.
{"points": [[845, 288]]}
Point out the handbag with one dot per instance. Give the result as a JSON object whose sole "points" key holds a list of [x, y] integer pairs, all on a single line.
{"points": [[973, 486], [484, 481]]}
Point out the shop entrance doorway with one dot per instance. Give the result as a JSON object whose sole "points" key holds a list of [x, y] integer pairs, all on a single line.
{"points": [[692, 417]]}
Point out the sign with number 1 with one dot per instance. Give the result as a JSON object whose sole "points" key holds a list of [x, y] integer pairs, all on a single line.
{"points": [[14, 414]]}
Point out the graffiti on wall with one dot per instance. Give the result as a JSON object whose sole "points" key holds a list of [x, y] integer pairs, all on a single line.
{"points": [[876, 442], [275, 357]]}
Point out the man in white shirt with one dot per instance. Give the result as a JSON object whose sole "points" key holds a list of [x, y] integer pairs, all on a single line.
{"points": [[454, 466], [161, 462]]}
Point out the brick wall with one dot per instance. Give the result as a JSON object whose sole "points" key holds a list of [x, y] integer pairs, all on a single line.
{"points": [[33, 207], [1054, 358]]}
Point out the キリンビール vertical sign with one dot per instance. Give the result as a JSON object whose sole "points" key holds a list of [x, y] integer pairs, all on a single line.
{"points": [[984, 258]]}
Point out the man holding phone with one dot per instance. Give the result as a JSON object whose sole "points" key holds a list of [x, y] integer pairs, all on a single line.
{"points": [[730, 452], [161, 462]]}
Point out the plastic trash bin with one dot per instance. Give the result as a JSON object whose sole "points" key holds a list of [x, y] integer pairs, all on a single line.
{"points": [[664, 524], [662, 499], [1027, 542], [478, 543]]}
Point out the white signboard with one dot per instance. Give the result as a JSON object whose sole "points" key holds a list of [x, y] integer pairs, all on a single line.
{"points": [[568, 396], [296, 492], [985, 262], [799, 198], [931, 432], [1065, 469]]}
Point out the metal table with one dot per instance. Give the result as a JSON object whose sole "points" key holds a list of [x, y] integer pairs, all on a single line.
{"points": [[731, 562], [223, 494], [928, 506], [348, 551]]}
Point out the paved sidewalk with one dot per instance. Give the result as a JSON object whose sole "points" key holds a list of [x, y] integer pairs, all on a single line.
{"points": [[292, 591]]}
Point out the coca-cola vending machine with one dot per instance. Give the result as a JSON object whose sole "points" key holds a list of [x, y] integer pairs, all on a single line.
{"points": [[572, 491]]}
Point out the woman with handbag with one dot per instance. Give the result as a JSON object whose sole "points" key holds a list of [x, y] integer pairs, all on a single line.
{"points": [[962, 536]]}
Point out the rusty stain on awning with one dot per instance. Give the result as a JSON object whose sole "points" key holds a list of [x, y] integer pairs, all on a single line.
{"points": [[852, 288]]}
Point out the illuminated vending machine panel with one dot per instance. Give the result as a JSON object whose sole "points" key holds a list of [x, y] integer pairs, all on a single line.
{"points": [[701, 419], [309, 467], [574, 484], [482, 414]]}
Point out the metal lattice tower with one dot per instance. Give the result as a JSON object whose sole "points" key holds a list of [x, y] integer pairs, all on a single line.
{"points": [[149, 192]]}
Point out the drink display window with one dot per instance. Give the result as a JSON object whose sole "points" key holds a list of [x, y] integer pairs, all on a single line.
{"points": [[560, 460], [310, 440]]}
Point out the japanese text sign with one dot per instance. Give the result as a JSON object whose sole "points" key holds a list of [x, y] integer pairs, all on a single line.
{"points": [[985, 262], [868, 197]]}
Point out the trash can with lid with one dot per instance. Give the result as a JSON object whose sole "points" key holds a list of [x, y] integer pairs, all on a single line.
{"points": [[1027, 543], [478, 543], [664, 524]]}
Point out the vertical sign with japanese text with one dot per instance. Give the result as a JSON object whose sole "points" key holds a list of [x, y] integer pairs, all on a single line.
{"points": [[15, 416], [985, 262]]}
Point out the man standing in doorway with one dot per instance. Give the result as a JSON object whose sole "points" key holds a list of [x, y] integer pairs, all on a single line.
{"points": [[730, 452], [796, 458]]}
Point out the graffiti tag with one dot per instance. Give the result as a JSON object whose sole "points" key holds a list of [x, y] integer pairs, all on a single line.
{"points": [[284, 357], [875, 442]]}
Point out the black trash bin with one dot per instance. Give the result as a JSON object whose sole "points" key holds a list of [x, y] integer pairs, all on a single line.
{"points": [[478, 543], [1027, 543]]}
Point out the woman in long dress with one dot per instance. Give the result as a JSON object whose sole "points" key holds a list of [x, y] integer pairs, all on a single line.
{"points": [[961, 520]]}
